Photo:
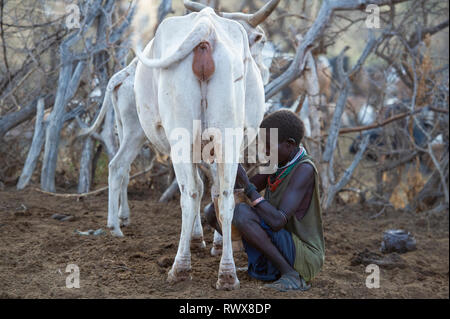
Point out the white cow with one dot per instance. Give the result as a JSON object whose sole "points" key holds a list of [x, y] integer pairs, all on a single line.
{"points": [[200, 67], [119, 93]]}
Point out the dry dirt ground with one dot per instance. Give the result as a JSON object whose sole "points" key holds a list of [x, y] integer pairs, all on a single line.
{"points": [[36, 249]]}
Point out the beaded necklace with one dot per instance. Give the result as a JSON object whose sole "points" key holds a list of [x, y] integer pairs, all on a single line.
{"points": [[284, 171]]}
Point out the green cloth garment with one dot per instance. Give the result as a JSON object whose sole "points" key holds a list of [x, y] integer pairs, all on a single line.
{"points": [[307, 233]]}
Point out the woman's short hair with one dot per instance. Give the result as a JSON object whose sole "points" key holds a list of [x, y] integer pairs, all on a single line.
{"points": [[288, 123]]}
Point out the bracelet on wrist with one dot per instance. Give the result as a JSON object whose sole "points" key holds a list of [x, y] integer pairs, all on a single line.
{"points": [[257, 201]]}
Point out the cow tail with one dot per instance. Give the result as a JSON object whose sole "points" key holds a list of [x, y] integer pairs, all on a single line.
{"points": [[200, 32], [98, 121]]}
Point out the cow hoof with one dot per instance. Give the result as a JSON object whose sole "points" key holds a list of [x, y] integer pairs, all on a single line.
{"points": [[124, 221], [198, 244], [110, 224], [116, 232], [177, 275], [216, 250], [227, 281]]}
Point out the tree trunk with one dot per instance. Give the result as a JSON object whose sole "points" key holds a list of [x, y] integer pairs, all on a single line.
{"points": [[67, 86], [87, 155], [165, 7], [313, 89], [100, 69], [36, 147]]}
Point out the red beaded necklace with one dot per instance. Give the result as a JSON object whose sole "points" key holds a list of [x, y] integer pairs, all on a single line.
{"points": [[280, 176]]}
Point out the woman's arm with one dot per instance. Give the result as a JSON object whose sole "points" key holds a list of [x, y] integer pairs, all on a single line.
{"points": [[298, 187], [260, 181]]}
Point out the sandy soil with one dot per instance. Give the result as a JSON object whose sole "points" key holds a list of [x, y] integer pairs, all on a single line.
{"points": [[35, 250]]}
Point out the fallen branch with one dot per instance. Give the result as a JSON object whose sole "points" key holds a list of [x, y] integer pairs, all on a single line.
{"points": [[378, 214], [97, 191], [36, 146], [333, 189], [436, 210], [169, 192], [11, 120]]}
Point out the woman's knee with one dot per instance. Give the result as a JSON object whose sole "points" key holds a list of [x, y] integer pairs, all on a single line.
{"points": [[243, 214]]}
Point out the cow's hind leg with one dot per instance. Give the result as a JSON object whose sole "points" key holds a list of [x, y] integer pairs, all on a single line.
{"points": [[197, 241], [227, 270], [216, 249], [124, 209], [118, 178], [191, 188]]}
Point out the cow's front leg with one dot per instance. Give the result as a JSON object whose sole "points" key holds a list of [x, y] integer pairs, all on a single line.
{"points": [[227, 270], [191, 187]]}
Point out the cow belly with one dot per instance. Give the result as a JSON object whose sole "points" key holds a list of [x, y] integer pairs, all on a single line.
{"points": [[153, 129]]}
